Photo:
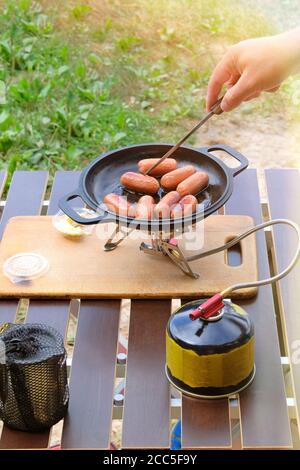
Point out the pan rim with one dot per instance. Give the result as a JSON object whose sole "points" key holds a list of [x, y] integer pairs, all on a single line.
{"points": [[158, 224]]}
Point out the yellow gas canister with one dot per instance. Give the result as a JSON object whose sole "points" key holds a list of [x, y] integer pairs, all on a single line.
{"points": [[212, 356]]}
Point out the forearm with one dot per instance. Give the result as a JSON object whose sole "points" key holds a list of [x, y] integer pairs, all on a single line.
{"points": [[289, 45]]}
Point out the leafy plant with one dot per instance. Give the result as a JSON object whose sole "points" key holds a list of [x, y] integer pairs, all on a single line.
{"points": [[78, 78], [80, 11]]}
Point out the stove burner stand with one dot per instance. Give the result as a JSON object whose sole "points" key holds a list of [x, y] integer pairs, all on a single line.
{"points": [[161, 245]]}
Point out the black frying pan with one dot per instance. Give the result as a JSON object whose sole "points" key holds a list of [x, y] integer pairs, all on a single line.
{"points": [[102, 176]]}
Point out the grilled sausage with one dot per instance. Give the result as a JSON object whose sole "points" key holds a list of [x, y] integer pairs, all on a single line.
{"points": [[169, 164], [117, 204], [139, 183], [163, 208], [171, 180], [186, 206], [145, 207], [193, 184]]}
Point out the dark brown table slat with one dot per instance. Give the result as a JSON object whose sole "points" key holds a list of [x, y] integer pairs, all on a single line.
{"points": [[25, 195], [264, 415], [205, 424], [8, 310], [88, 422], [64, 182], [11, 439], [284, 196], [55, 314], [2, 180], [146, 409], [97, 430]]}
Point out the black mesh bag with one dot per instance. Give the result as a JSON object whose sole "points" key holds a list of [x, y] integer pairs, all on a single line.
{"points": [[34, 390]]}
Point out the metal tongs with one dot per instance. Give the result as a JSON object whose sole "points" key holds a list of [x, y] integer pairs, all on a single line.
{"points": [[216, 109]]}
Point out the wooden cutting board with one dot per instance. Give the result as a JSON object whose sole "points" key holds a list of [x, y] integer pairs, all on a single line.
{"points": [[82, 269]]}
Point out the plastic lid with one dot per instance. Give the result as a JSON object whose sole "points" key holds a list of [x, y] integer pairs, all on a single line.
{"points": [[71, 229], [25, 267]]}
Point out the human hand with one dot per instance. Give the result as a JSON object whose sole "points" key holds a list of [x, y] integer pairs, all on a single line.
{"points": [[253, 66]]}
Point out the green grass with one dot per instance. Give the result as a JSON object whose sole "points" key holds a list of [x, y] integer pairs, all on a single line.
{"points": [[79, 78]]}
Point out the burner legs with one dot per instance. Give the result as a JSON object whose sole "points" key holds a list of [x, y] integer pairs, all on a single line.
{"points": [[172, 249], [114, 241]]}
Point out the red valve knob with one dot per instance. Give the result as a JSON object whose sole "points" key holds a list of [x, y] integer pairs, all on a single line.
{"points": [[209, 308]]}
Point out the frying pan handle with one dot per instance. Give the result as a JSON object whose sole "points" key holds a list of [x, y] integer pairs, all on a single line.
{"points": [[70, 212], [235, 154]]}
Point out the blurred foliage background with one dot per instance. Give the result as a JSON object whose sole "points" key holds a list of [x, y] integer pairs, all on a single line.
{"points": [[80, 77]]}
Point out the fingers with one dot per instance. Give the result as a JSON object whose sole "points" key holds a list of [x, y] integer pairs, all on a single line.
{"points": [[242, 90], [219, 77], [253, 96], [272, 90], [256, 94]]}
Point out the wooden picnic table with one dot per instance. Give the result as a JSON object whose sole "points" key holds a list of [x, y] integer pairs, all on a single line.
{"points": [[263, 416]]}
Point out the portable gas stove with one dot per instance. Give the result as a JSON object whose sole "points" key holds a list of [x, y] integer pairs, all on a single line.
{"points": [[101, 177], [235, 360]]}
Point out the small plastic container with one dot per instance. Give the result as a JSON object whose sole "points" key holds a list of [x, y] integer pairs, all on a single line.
{"points": [[71, 229], [24, 267]]}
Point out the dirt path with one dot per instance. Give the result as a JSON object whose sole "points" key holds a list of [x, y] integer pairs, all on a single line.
{"points": [[283, 14], [267, 141]]}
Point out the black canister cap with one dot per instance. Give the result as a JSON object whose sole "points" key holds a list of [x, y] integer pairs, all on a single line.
{"points": [[233, 329]]}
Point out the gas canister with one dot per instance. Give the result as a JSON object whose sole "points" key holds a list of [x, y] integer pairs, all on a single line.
{"points": [[210, 343], [210, 357]]}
